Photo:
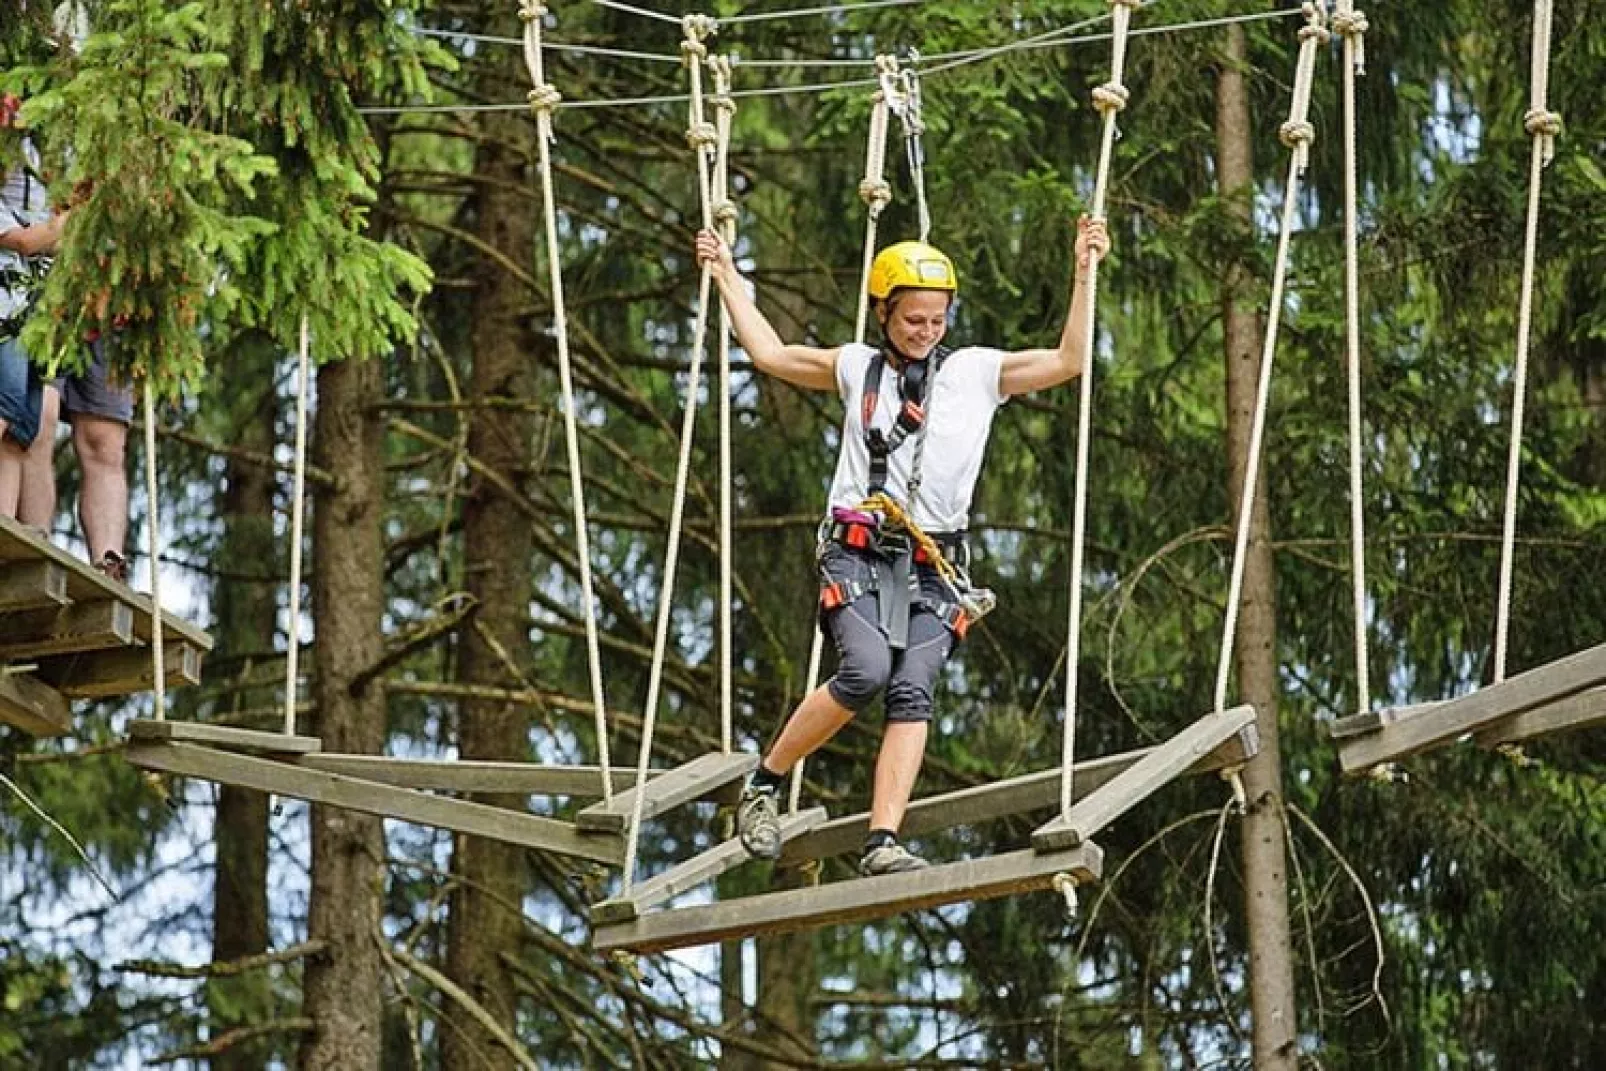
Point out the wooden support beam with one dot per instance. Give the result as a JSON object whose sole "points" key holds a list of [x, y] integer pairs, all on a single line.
{"points": [[466, 775], [225, 737], [1000, 799], [82, 626], [1586, 710], [35, 708], [107, 673], [32, 585], [1142, 779], [1484, 709], [1360, 724], [694, 780], [386, 801], [694, 872], [850, 901]]}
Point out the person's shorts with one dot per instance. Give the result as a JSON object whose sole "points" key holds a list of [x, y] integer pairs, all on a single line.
{"points": [[92, 394], [21, 393]]}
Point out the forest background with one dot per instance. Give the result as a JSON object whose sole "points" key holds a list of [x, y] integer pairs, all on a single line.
{"points": [[226, 185]]}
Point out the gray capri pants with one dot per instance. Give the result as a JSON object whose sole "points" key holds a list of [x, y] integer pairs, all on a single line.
{"points": [[93, 394], [868, 662]]}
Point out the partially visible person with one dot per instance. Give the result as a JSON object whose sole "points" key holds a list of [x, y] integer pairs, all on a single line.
{"points": [[29, 231]]}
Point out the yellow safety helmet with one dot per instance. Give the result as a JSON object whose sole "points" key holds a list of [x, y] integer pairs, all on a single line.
{"points": [[911, 264]]}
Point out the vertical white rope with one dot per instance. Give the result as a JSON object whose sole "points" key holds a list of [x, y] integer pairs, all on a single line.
{"points": [[298, 491], [1543, 124], [1109, 98], [1353, 26], [702, 137], [153, 544], [912, 114], [876, 193], [1297, 133], [544, 98], [725, 214]]}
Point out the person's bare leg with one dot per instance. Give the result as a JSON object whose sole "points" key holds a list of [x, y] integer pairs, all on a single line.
{"points": [[10, 474], [36, 503], [903, 747], [103, 500], [818, 718]]}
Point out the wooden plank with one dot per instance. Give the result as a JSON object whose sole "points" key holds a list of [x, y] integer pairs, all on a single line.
{"points": [[109, 673], [694, 872], [84, 584], [1586, 710], [1142, 779], [467, 775], [1484, 709], [387, 801], [82, 626], [1360, 724], [33, 707], [852, 901], [694, 780], [32, 585], [999, 799], [220, 736]]}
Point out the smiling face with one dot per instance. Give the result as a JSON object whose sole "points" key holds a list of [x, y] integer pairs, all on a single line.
{"points": [[914, 321]]}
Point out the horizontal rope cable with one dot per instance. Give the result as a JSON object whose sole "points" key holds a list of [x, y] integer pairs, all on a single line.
{"points": [[829, 9], [631, 9], [551, 46]]}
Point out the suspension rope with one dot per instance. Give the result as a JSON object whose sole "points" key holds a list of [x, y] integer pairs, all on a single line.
{"points": [[543, 98], [1297, 134], [876, 193], [631, 9], [703, 137], [1110, 99], [298, 492], [911, 115], [153, 542], [725, 215], [1543, 125], [829, 9], [1352, 26]]}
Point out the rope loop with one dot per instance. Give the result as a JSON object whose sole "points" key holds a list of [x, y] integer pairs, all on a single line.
{"points": [[722, 102], [702, 136], [1545, 125], [877, 194], [698, 28], [1352, 25], [544, 99], [532, 10], [1110, 97]]}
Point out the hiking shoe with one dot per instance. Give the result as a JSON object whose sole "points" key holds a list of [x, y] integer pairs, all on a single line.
{"points": [[113, 566], [758, 823], [891, 858]]}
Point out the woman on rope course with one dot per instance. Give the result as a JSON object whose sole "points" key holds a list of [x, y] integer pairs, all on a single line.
{"points": [[895, 598]]}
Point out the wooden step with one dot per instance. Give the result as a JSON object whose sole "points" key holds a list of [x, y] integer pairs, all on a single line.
{"points": [[476, 776], [694, 780], [31, 585], [225, 737], [32, 706]]}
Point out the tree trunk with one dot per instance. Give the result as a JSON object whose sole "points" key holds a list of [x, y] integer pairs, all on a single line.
{"points": [[497, 550], [343, 986], [1271, 975], [247, 616]]}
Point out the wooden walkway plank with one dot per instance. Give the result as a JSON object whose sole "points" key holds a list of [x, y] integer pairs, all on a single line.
{"points": [[1586, 710], [35, 708], [694, 780], [386, 801], [844, 902], [72, 629], [684, 877], [1360, 724], [468, 775], [1142, 779], [32, 585], [100, 674], [226, 737], [1484, 709]]}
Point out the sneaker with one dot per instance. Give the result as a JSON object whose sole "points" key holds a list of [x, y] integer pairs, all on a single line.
{"points": [[113, 566], [758, 823], [891, 858]]}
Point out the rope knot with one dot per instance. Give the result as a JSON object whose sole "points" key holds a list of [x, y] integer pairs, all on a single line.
{"points": [[886, 64], [1545, 125], [723, 102], [1315, 23], [532, 10], [544, 99], [1296, 134], [725, 213], [876, 193], [1110, 97], [702, 136], [1352, 26], [693, 49], [697, 28]]}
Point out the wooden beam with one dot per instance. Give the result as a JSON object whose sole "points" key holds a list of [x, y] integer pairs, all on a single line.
{"points": [[32, 585], [1360, 724], [694, 872], [35, 708], [466, 775], [220, 736], [694, 780], [1586, 710], [1483, 709], [999, 799], [387, 801], [851, 901], [82, 626], [1142, 779], [109, 673]]}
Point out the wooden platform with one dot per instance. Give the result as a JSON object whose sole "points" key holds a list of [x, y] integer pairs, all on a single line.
{"points": [[1547, 699], [68, 630]]}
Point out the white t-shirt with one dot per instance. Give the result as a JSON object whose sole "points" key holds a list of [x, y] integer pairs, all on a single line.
{"points": [[24, 202], [960, 404]]}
